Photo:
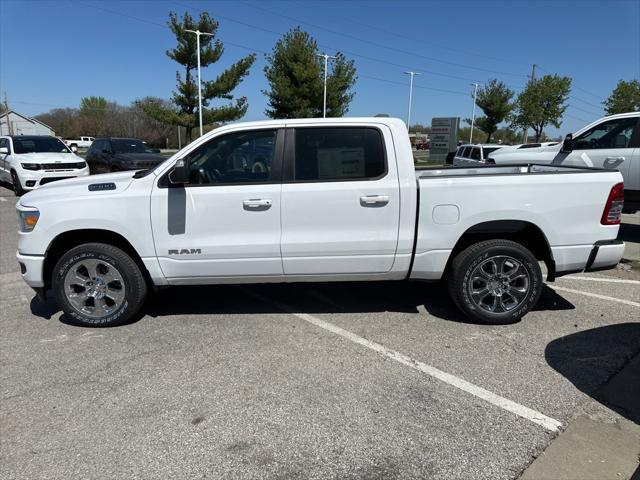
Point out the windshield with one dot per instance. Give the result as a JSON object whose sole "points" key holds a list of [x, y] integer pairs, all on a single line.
{"points": [[129, 146], [39, 145]]}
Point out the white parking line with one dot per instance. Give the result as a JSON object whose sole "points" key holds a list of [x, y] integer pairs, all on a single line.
{"points": [[601, 279], [594, 295], [479, 392], [2, 199]]}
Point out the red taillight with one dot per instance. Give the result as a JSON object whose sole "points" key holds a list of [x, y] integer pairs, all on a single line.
{"points": [[613, 208]]}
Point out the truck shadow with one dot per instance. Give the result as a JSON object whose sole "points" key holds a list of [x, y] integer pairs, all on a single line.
{"points": [[318, 298], [591, 359]]}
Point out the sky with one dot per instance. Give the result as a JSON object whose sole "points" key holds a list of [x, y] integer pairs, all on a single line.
{"points": [[52, 53]]}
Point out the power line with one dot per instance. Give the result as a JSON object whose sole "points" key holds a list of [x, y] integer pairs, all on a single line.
{"points": [[380, 45], [577, 118], [444, 47], [583, 110], [330, 47], [599, 97]]}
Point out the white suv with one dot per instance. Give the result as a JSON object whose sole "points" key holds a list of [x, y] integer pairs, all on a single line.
{"points": [[30, 161], [473, 155]]}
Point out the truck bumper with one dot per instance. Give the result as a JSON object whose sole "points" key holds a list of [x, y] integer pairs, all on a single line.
{"points": [[604, 255], [31, 267]]}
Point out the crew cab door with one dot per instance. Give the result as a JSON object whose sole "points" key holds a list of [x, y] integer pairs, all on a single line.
{"points": [[606, 145], [340, 200], [226, 221]]}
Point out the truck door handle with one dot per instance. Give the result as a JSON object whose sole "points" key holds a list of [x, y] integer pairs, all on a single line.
{"points": [[257, 204], [374, 200]]}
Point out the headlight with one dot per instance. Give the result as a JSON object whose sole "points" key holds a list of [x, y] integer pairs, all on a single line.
{"points": [[28, 219], [30, 166]]}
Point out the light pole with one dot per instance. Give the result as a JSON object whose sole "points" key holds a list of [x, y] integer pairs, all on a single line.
{"points": [[473, 116], [326, 62], [198, 33], [411, 74]]}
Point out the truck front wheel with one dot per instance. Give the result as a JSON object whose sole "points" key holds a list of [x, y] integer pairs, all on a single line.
{"points": [[495, 281], [98, 285]]}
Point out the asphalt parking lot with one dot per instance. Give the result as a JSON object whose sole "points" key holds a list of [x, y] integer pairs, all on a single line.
{"points": [[344, 381]]}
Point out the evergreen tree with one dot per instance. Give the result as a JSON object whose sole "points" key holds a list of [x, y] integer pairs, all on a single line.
{"points": [[185, 98], [295, 74]]}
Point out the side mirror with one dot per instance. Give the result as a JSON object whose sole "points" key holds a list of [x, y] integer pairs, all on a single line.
{"points": [[155, 150], [4, 150], [180, 173], [74, 149], [567, 145]]}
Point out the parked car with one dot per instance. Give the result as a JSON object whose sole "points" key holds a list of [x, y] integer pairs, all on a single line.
{"points": [[30, 161], [118, 154], [611, 142], [341, 201], [473, 155], [82, 142]]}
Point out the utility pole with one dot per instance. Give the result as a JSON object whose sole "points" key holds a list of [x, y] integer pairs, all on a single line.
{"points": [[6, 107], [326, 64], [411, 75], [198, 33], [473, 115], [525, 135]]}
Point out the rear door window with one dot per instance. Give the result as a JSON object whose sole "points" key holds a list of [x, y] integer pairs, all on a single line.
{"points": [[338, 153]]}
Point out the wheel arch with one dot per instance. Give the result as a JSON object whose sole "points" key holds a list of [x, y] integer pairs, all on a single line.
{"points": [[72, 238], [525, 233]]}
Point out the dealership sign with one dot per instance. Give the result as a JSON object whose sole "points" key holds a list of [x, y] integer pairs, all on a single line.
{"points": [[444, 137]]}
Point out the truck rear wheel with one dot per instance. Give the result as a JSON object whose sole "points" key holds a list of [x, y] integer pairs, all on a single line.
{"points": [[495, 281], [98, 285]]}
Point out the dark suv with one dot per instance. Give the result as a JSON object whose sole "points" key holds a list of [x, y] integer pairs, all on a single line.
{"points": [[117, 154]]}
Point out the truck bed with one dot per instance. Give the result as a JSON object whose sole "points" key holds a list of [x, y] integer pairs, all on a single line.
{"points": [[566, 203], [519, 169]]}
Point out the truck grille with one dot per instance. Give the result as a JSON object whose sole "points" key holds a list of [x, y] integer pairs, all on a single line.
{"points": [[52, 179], [62, 166]]}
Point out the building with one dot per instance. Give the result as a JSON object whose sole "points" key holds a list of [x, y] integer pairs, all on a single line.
{"points": [[13, 123]]}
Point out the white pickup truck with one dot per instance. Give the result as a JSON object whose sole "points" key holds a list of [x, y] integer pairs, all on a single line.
{"points": [[611, 142], [82, 142], [339, 200]]}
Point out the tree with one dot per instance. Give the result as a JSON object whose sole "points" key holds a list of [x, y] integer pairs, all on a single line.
{"points": [[624, 98], [295, 74], [419, 128], [494, 100], [185, 98], [541, 103]]}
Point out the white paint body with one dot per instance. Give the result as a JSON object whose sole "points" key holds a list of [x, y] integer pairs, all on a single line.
{"points": [[57, 165], [82, 142], [626, 160], [320, 231]]}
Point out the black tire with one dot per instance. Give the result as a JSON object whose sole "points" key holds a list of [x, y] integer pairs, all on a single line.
{"points": [[470, 268], [17, 187], [134, 290]]}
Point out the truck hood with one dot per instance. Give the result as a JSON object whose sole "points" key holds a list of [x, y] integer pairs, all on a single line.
{"points": [[106, 184], [48, 157], [525, 155]]}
